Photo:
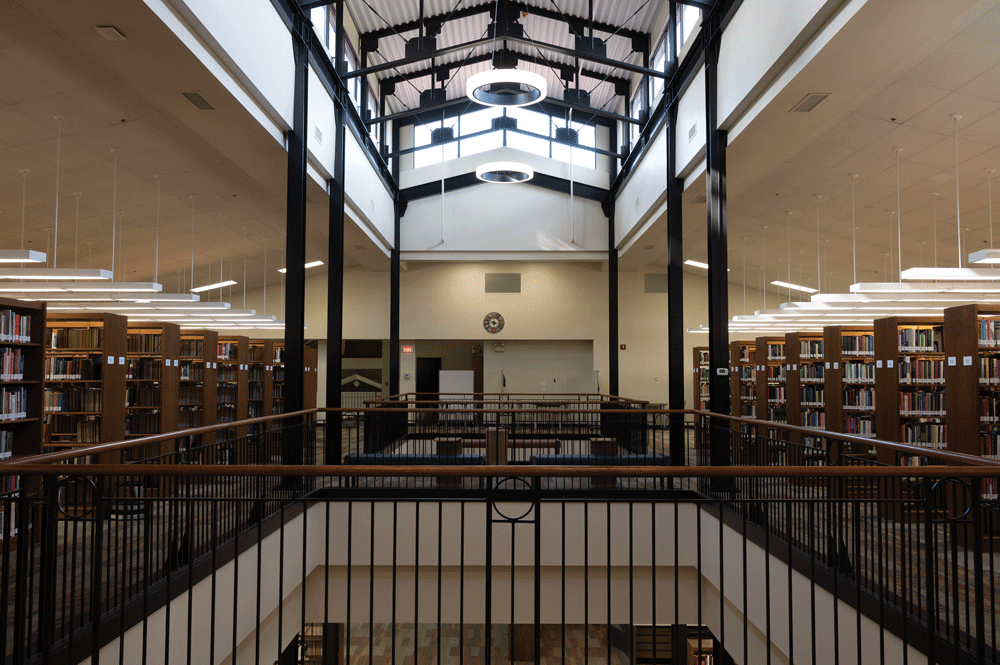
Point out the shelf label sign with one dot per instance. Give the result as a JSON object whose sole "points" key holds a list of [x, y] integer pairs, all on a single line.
{"points": [[890, 364], [952, 361], [878, 364], [828, 365], [836, 365], [722, 371], [967, 361]]}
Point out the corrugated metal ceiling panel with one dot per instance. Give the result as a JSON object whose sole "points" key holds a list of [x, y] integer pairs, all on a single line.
{"points": [[537, 28]]}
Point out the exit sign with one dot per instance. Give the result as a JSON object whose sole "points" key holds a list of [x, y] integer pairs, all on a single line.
{"points": [[621, 346], [408, 348]]}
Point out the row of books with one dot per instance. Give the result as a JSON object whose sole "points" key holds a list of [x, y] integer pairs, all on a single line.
{"points": [[812, 372], [816, 419], [858, 345], [144, 369], [147, 422], [86, 430], [227, 393], [859, 426], [227, 350], [75, 399], [74, 338], [72, 369], [192, 348], [859, 399], [13, 403], [190, 395], [989, 408], [775, 351], [927, 435], [810, 348], [915, 340], [989, 332], [279, 355], [775, 393], [990, 442], [14, 327], [812, 396], [6, 444], [919, 371], [11, 364], [146, 395], [922, 403], [145, 343], [189, 417], [746, 373], [989, 371], [192, 372], [775, 372], [859, 372], [227, 373]]}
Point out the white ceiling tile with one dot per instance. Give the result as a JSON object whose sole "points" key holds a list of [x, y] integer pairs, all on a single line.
{"points": [[902, 100], [937, 118]]}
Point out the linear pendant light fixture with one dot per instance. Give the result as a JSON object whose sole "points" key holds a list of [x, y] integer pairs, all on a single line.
{"points": [[987, 255], [312, 264], [22, 255]]}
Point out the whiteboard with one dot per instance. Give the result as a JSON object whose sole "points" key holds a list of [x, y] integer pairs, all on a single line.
{"points": [[454, 381]]}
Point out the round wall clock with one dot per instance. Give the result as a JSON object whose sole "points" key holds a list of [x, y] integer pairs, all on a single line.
{"points": [[493, 322]]}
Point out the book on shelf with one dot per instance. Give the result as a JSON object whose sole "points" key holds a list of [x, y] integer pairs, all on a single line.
{"points": [[858, 345], [75, 338], [12, 364], [916, 340], [15, 327]]}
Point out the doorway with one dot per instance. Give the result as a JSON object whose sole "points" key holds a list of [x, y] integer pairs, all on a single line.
{"points": [[428, 378]]}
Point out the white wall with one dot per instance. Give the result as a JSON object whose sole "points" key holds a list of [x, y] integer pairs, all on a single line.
{"points": [[621, 553], [541, 367], [691, 116], [250, 40], [366, 194], [644, 193], [558, 302]]}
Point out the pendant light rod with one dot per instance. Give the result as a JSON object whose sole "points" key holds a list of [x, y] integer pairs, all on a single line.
{"points": [[788, 249], [244, 267], [24, 195], [55, 243], [156, 264], [192, 240], [819, 275], [989, 185], [222, 240], [114, 210], [935, 196], [763, 265], [76, 241], [958, 207], [744, 276], [854, 228], [263, 308], [899, 216]]}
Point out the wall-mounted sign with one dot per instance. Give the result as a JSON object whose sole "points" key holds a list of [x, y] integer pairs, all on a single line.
{"points": [[407, 348]]}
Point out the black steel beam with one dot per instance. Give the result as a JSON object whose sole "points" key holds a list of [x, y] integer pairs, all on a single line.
{"points": [[398, 208], [335, 276], [534, 59], [465, 12], [295, 243], [555, 48], [542, 180], [675, 293], [718, 259], [463, 103], [612, 302], [306, 5], [703, 5]]}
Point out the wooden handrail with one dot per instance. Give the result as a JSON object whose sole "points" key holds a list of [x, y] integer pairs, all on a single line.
{"points": [[938, 471]]}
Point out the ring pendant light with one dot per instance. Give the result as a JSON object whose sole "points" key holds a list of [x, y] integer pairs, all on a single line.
{"points": [[509, 88], [504, 172]]}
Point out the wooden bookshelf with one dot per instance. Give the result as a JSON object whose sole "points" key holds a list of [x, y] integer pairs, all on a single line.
{"points": [[804, 377], [233, 363], [260, 382], [198, 349], [849, 382], [701, 379], [769, 379], [742, 390], [278, 378], [972, 377], [152, 383], [85, 380], [907, 411], [22, 387], [310, 377]]}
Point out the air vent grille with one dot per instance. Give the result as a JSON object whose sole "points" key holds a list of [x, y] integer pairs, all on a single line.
{"points": [[198, 100], [656, 282], [810, 102], [503, 282]]}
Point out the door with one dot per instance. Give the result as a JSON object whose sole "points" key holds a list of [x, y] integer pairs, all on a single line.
{"points": [[428, 378]]}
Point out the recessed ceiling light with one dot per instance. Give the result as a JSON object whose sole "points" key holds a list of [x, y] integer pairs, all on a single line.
{"points": [[110, 32]]}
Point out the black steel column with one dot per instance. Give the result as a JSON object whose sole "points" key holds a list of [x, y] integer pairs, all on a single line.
{"points": [[394, 278], [335, 276], [295, 242], [675, 287], [612, 302], [718, 256]]}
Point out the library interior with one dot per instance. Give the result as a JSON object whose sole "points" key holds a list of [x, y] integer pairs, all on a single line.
{"points": [[333, 331]]}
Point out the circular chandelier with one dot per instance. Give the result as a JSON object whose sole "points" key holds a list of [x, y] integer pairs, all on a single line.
{"points": [[505, 172], [506, 87]]}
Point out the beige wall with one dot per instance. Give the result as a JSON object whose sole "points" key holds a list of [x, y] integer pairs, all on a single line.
{"points": [[558, 302]]}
